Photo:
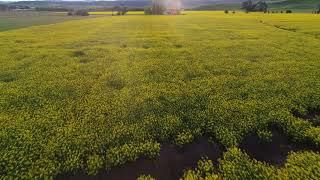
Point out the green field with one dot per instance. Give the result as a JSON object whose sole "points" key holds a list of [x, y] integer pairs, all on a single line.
{"points": [[306, 6], [87, 95], [110, 13], [15, 19]]}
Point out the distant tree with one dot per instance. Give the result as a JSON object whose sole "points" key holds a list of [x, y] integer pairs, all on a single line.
{"points": [[81, 12], [261, 6], [124, 10], [115, 8], [121, 10], [318, 9], [248, 5], [288, 11]]}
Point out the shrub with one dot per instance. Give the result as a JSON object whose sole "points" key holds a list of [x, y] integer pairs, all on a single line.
{"points": [[81, 12], [226, 11], [183, 139], [302, 165], [238, 165], [204, 171], [130, 152], [94, 164], [146, 177], [288, 11]]}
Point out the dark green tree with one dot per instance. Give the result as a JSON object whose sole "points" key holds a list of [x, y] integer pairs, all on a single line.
{"points": [[248, 6], [261, 6]]}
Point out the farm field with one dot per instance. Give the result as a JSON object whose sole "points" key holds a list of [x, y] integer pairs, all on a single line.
{"points": [[110, 13], [14, 20], [122, 97]]}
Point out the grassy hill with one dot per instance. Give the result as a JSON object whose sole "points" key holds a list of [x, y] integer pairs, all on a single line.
{"points": [[296, 5], [217, 7]]}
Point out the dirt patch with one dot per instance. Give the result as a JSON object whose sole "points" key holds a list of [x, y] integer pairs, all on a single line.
{"points": [[169, 166], [78, 53], [274, 152], [312, 116]]}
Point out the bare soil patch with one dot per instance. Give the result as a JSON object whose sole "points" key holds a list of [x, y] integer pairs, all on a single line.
{"points": [[274, 152], [170, 165]]}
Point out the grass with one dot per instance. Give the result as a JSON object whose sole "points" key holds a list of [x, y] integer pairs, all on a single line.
{"points": [[16, 19], [85, 95]]}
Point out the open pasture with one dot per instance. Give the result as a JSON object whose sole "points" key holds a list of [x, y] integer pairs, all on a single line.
{"points": [[83, 97], [21, 19]]}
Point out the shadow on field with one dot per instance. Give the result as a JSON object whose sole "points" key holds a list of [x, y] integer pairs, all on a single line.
{"points": [[170, 165], [274, 152]]}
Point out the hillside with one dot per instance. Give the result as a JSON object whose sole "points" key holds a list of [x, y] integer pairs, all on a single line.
{"points": [[305, 5], [296, 5]]}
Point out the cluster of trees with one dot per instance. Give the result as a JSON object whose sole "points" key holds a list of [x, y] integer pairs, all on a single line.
{"points": [[317, 11], [120, 10], [250, 6], [287, 12], [80, 12]]}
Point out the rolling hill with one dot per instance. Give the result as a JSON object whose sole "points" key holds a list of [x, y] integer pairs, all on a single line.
{"points": [[300, 5], [296, 5]]}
